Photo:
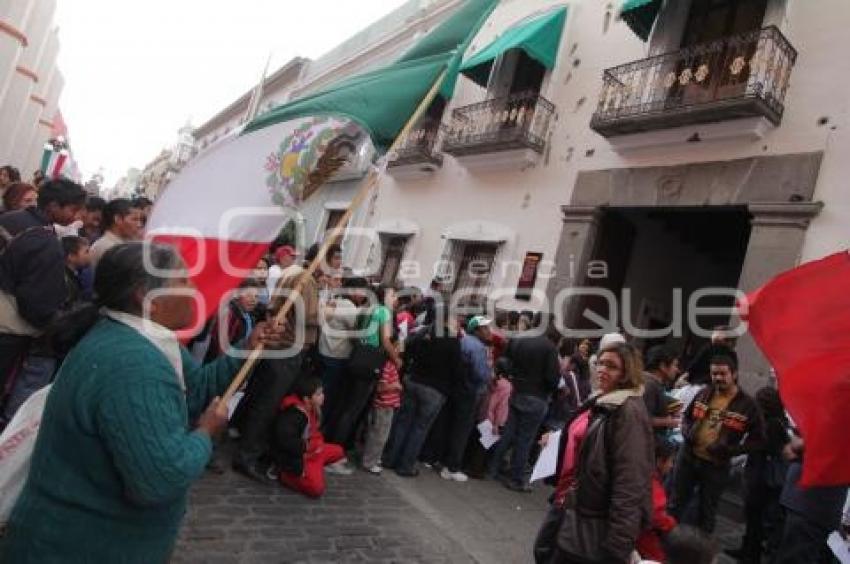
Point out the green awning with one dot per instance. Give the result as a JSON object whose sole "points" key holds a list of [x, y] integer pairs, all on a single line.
{"points": [[539, 38], [640, 16]]}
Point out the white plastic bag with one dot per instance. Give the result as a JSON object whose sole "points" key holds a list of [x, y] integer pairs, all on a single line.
{"points": [[16, 446]]}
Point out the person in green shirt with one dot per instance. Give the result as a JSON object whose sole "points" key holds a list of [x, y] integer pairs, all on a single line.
{"points": [[116, 452], [377, 329]]}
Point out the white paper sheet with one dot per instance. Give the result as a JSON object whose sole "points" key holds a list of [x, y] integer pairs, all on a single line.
{"points": [[488, 439], [840, 547], [548, 460], [233, 403]]}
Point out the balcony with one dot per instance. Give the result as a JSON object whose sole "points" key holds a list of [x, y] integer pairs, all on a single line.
{"points": [[516, 125], [419, 152], [743, 76]]}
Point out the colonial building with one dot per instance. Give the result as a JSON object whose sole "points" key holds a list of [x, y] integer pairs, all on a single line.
{"points": [[30, 81], [126, 187], [607, 161], [156, 175], [644, 150]]}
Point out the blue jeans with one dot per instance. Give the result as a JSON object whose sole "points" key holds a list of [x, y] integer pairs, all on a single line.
{"points": [[419, 407], [524, 419]]}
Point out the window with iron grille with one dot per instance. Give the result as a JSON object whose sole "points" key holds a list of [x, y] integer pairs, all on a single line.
{"points": [[393, 248], [474, 270], [334, 216]]}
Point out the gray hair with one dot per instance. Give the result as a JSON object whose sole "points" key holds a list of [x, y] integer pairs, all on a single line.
{"points": [[124, 269]]}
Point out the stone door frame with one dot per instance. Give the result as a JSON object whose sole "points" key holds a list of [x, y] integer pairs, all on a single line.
{"points": [[777, 191]]}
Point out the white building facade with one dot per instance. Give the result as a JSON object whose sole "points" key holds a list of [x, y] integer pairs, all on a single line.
{"points": [[709, 156], [30, 82], [638, 158]]}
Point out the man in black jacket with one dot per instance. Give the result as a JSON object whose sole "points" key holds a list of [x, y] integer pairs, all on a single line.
{"points": [[721, 422], [32, 269], [536, 375], [434, 364]]}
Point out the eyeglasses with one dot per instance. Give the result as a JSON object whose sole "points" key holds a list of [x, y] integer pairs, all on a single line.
{"points": [[608, 365]]}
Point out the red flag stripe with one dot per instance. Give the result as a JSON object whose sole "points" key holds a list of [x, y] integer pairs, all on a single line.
{"points": [[801, 321]]}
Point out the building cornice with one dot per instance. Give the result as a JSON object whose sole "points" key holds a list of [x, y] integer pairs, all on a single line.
{"points": [[314, 83], [784, 214], [29, 73], [300, 64], [240, 105], [579, 214], [8, 29]]}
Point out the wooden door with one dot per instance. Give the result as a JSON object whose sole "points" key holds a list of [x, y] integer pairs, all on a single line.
{"points": [[715, 56]]}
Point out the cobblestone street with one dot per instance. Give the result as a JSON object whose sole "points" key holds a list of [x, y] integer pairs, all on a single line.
{"points": [[360, 519], [363, 518]]}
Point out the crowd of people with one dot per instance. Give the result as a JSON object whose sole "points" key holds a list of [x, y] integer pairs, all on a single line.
{"points": [[371, 376]]}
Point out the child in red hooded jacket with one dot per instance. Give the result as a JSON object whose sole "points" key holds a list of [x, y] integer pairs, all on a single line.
{"points": [[649, 542], [299, 449]]}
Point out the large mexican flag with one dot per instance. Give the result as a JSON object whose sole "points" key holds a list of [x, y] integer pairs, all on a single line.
{"points": [[228, 204]]}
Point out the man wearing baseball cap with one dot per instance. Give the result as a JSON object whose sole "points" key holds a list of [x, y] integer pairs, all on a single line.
{"points": [[536, 375], [467, 397], [284, 257]]}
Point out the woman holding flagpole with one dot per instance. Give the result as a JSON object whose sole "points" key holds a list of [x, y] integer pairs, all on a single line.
{"points": [[116, 454]]}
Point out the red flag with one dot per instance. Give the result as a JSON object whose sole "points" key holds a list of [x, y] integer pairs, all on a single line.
{"points": [[801, 322]]}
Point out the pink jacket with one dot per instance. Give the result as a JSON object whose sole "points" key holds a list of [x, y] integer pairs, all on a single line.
{"points": [[497, 402]]}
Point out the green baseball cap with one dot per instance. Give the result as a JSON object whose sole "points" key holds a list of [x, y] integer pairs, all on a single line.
{"points": [[476, 322]]}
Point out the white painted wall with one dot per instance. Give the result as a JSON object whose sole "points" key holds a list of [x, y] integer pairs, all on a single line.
{"points": [[37, 57], [528, 201], [30, 131], [15, 14]]}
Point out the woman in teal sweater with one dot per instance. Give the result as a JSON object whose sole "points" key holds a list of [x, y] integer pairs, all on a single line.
{"points": [[115, 454]]}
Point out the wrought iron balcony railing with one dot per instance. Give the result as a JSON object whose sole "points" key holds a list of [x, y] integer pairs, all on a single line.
{"points": [[519, 121], [421, 146], [744, 75]]}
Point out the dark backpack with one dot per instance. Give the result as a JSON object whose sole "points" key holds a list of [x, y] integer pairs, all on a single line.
{"points": [[7, 280]]}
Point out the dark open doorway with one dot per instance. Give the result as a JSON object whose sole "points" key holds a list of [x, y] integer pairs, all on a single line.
{"points": [[652, 251]]}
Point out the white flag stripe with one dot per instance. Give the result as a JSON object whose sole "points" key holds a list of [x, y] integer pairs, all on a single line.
{"points": [[224, 193]]}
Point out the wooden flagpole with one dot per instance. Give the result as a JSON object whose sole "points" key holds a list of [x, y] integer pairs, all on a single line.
{"points": [[366, 186]]}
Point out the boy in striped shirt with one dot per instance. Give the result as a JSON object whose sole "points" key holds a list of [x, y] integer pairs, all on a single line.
{"points": [[384, 405]]}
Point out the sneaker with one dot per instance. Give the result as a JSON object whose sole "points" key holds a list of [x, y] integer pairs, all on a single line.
{"points": [[456, 476], [376, 469], [341, 468], [273, 472]]}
